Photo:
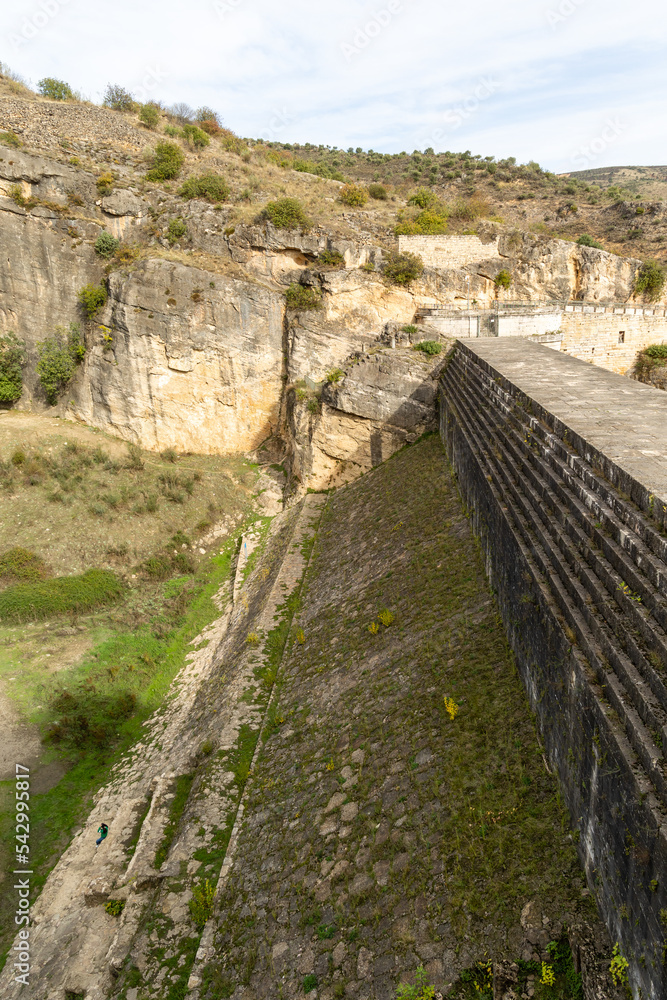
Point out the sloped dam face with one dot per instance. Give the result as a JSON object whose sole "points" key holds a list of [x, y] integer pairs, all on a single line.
{"points": [[349, 785], [563, 468]]}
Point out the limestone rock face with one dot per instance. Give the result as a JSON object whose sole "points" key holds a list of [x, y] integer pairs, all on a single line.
{"points": [[554, 269], [189, 367], [384, 401]]}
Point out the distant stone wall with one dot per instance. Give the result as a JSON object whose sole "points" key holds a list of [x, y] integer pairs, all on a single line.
{"points": [[612, 336], [449, 251]]}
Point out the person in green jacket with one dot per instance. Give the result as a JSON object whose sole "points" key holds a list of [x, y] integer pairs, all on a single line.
{"points": [[103, 830]]}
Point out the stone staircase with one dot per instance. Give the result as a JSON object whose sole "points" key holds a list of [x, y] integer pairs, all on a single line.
{"points": [[593, 566]]}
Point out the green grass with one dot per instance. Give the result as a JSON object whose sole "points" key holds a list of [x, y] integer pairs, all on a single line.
{"points": [[59, 596], [57, 813], [176, 808]]}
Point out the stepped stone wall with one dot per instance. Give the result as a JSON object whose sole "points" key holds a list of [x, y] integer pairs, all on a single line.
{"points": [[563, 467]]}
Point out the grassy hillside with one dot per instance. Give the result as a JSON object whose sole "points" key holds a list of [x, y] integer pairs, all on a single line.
{"points": [[619, 207]]}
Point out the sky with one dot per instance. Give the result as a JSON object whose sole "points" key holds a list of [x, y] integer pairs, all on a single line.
{"points": [[572, 84]]}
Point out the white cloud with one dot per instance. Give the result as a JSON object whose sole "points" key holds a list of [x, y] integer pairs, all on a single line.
{"points": [[386, 74]]}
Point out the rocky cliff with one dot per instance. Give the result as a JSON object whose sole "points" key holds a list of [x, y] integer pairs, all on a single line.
{"points": [[195, 348]]}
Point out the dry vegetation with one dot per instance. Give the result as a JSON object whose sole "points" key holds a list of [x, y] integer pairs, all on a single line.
{"points": [[620, 207]]}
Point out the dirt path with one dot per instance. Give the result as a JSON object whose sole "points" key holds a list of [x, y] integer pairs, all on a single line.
{"points": [[20, 743]]}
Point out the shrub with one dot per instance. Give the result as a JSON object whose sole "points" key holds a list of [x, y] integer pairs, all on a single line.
{"points": [[503, 279], [231, 142], [91, 299], [201, 904], [58, 357], [423, 198], [12, 361], [286, 213], [176, 230], [115, 907], [318, 169], [208, 187], [172, 131], [117, 98], [208, 120], [149, 115], [353, 195], [378, 192], [106, 244], [195, 137], [656, 351], [428, 221], [11, 139], [15, 192], [331, 258], [419, 990], [301, 297], [167, 162], [335, 375], [588, 241], [57, 90], [60, 595], [105, 183], [431, 347], [650, 280], [89, 718], [21, 564], [183, 113], [402, 268]]}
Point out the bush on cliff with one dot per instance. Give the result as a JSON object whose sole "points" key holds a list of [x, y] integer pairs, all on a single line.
{"points": [[106, 244], [402, 268], [208, 187], [650, 280], [503, 279], [12, 361], [91, 299], [588, 241], [301, 297], [286, 213], [58, 357], [167, 162]]}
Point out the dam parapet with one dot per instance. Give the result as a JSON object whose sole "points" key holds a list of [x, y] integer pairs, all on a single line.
{"points": [[563, 469]]}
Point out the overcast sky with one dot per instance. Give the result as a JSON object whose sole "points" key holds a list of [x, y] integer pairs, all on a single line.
{"points": [[569, 83]]}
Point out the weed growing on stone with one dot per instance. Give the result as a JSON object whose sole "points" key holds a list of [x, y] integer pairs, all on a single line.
{"points": [[201, 904], [176, 808]]}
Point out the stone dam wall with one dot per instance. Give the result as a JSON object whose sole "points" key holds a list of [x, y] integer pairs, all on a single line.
{"points": [[563, 468]]}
